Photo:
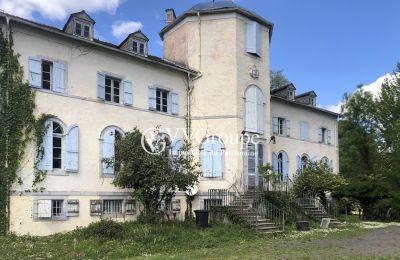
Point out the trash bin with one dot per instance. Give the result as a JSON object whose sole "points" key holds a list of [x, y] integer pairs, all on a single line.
{"points": [[201, 218]]}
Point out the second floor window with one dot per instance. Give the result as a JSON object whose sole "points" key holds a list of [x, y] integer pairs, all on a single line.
{"points": [[112, 90], [82, 30], [281, 126], [138, 47], [161, 100], [47, 74]]}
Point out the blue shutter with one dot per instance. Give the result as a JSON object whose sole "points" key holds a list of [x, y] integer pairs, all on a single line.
{"points": [[251, 37], [101, 85], [275, 162], [320, 135], [72, 162], [258, 39], [217, 158], [46, 164], [302, 130], [174, 103], [58, 77], [285, 166], [128, 98], [35, 72], [108, 150], [306, 130], [331, 166], [275, 122], [329, 138], [176, 147], [152, 97], [260, 112], [206, 158], [287, 122], [298, 164]]}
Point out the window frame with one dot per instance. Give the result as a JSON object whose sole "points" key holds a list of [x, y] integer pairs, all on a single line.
{"points": [[214, 153], [112, 88], [50, 72], [114, 207], [120, 132], [281, 126], [61, 205], [83, 26], [62, 147], [159, 100]]}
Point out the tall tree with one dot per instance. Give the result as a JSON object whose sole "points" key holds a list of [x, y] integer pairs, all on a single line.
{"points": [[278, 79], [16, 123]]}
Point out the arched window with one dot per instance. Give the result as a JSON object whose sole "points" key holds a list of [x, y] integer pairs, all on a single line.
{"points": [[108, 138], [325, 161], [254, 110], [53, 146], [280, 163], [176, 148], [211, 151], [302, 162]]}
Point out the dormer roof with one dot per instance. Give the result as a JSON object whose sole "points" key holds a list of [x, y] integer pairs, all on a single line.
{"points": [[81, 15], [290, 85], [139, 35], [308, 93]]}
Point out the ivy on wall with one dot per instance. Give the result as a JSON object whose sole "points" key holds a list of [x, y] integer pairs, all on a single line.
{"points": [[17, 122]]}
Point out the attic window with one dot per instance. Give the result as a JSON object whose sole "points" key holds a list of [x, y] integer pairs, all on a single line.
{"points": [[312, 101], [82, 30], [290, 95], [138, 47]]}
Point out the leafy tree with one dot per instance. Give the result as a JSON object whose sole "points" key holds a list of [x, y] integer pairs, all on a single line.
{"points": [[153, 178], [278, 79], [317, 179], [16, 123]]}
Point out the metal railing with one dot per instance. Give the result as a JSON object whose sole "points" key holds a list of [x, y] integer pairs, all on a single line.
{"points": [[267, 210], [313, 200], [277, 183]]}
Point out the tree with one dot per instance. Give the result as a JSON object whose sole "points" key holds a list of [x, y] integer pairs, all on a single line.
{"points": [[16, 123], [153, 178], [317, 179], [278, 79]]}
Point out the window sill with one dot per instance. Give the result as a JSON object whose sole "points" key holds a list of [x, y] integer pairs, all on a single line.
{"points": [[57, 173], [108, 175], [60, 218], [211, 178]]}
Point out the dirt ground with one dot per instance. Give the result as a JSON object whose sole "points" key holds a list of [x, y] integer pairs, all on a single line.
{"points": [[376, 243]]}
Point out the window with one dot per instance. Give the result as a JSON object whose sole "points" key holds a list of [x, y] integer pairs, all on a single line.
{"points": [[290, 95], [255, 158], [304, 130], [281, 126], [112, 206], [253, 38], [141, 48], [49, 209], [280, 163], [325, 161], [78, 29], [56, 208], [138, 47], [312, 101], [47, 69], [130, 207], [162, 100], [135, 47], [304, 161], [86, 31], [254, 110], [57, 145], [322, 134], [108, 138], [112, 89], [211, 151]]}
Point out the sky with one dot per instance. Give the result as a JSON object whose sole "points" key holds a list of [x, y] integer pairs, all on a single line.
{"points": [[328, 46]]}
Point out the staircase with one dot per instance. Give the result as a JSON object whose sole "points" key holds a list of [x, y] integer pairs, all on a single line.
{"points": [[313, 208], [250, 208]]}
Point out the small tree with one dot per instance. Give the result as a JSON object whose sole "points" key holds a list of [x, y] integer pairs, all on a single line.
{"points": [[16, 123], [317, 179], [278, 79], [153, 177]]}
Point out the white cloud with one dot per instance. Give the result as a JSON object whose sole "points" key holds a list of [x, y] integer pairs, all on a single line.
{"points": [[56, 9], [374, 88], [121, 29], [160, 43]]}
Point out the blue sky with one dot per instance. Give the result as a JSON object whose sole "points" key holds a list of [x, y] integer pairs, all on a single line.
{"points": [[329, 46]]}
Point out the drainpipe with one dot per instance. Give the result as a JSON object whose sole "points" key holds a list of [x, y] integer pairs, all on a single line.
{"points": [[199, 22], [190, 87]]}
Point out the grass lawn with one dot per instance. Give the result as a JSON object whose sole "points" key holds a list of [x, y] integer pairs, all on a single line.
{"points": [[182, 241]]}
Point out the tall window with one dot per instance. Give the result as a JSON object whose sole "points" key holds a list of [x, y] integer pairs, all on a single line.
{"points": [[162, 100], [254, 110], [57, 145], [138, 47], [304, 161], [135, 46], [86, 31], [108, 138], [280, 163], [212, 157], [255, 158], [47, 74], [78, 29], [141, 48], [112, 89]]}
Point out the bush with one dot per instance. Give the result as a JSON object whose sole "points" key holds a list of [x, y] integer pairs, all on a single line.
{"points": [[104, 229]]}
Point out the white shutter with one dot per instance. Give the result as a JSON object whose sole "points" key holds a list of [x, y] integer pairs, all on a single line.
{"points": [[260, 112], [285, 167], [329, 136], [101, 85], [258, 39], [174, 103], [176, 148], [128, 97], [275, 162], [108, 150], [298, 164], [46, 164], [206, 158], [58, 77], [303, 130], [251, 110], [287, 122], [320, 135], [275, 125], [306, 131], [152, 97], [251, 37], [217, 158], [35, 72], [72, 154], [44, 208]]}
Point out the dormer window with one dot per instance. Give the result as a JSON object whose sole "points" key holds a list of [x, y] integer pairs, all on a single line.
{"points": [[80, 24], [290, 95], [312, 101], [136, 43], [138, 47], [82, 30]]}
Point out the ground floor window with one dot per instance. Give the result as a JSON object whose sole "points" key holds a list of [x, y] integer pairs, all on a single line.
{"points": [[112, 206]]}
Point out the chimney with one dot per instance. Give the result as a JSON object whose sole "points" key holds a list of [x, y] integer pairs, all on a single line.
{"points": [[170, 13]]}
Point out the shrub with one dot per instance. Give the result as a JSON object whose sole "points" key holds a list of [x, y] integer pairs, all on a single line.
{"points": [[104, 229]]}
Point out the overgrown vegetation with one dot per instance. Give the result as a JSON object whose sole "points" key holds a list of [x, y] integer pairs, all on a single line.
{"points": [[16, 123], [370, 149], [153, 177]]}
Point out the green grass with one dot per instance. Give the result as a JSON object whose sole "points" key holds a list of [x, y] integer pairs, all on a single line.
{"points": [[175, 240]]}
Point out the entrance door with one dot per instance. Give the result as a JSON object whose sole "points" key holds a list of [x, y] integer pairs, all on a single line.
{"points": [[253, 159]]}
